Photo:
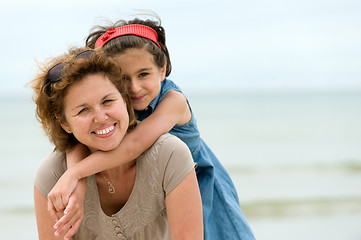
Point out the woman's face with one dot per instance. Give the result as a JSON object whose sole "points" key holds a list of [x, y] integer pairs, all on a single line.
{"points": [[142, 76], [95, 113]]}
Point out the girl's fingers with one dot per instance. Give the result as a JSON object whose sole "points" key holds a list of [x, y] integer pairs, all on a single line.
{"points": [[65, 200], [71, 206], [74, 228], [69, 215], [56, 201], [63, 221], [73, 218], [52, 210], [68, 222]]}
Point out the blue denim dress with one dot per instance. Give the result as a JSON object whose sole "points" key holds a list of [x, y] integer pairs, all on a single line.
{"points": [[222, 215]]}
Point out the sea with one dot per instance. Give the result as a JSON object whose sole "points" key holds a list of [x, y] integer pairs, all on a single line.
{"points": [[294, 157]]}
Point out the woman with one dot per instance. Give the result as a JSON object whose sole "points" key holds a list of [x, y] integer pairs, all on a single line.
{"points": [[80, 99]]}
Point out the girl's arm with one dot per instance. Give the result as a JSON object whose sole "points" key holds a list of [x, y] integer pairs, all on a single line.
{"points": [[172, 110], [74, 211], [184, 210]]}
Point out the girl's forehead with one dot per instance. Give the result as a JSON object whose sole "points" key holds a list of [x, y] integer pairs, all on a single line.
{"points": [[135, 52], [134, 58]]}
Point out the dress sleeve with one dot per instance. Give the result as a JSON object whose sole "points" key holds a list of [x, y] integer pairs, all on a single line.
{"points": [[178, 163], [49, 172]]}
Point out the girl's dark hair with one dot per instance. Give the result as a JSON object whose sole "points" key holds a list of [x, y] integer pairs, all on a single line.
{"points": [[120, 44]]}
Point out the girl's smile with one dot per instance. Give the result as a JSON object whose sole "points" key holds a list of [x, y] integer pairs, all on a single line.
{"points": [[142, 76]]}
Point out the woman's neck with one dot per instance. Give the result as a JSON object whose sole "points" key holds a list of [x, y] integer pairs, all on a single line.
{"points": [[120, 170], [114, 190]]}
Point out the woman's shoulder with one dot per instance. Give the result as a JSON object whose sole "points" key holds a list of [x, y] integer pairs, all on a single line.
{"points": [[169, 143], [167, 152], [174, 159], [49, 171], [171, 151], [165, 149]]}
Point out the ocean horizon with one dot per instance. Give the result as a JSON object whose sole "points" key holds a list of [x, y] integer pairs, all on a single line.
{"points": [[295, 159]]}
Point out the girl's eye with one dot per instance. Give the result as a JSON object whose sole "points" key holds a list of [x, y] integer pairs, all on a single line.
{"points": [[144, 74]]}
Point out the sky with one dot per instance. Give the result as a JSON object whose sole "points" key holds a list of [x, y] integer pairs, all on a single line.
{"points": [[229, 45]]}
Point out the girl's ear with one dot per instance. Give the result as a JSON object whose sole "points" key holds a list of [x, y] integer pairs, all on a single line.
{"points": [[163, 70]]}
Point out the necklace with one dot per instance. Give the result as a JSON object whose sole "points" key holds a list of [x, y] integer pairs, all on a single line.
{"points": [[111, 188]]}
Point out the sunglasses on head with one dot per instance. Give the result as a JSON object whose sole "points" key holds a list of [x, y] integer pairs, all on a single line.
{"points": [[56, 72]]}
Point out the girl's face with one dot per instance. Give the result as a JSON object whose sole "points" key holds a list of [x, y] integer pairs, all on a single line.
{"points": [[142, 76], [95, 113]]}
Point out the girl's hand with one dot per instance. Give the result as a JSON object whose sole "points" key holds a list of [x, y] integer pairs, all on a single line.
{"points": [[74, 212], [58, 197]]}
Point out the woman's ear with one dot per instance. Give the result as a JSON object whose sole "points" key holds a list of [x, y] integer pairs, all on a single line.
{"points": [[63, 125]]}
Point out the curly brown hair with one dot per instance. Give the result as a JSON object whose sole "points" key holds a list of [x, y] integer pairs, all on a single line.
{"points": [[49, 96]]}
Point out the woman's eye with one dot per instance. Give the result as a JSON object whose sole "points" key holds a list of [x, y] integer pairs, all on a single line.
{"points": [[83, 110], [125, 78], [108, 101]]}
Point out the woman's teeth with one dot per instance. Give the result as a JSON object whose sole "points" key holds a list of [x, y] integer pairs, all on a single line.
{"points": [[105, 131]]}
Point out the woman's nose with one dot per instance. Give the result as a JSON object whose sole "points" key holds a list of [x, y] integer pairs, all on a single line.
{"points": [[100, 116]]}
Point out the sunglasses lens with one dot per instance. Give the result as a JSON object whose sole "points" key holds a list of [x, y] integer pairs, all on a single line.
{"points": [[85, 54], [56, 72]]}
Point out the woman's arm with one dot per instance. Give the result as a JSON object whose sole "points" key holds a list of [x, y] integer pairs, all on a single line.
{"points": [[184, 210], [43, 219]]}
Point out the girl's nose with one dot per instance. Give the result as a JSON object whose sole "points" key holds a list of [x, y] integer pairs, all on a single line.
{"points": [[134, 86]]}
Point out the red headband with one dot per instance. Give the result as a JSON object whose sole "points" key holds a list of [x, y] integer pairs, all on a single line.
{"points": [[133, 29]]}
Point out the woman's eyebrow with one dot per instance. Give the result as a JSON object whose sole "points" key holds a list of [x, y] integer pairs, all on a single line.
{"points": [[79, 106], [84, 104]]}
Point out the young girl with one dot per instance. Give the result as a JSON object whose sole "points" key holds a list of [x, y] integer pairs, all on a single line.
{"points": [[139, 48]]}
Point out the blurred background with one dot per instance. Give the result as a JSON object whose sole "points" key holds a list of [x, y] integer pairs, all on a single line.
{"points": [[275, 86]]}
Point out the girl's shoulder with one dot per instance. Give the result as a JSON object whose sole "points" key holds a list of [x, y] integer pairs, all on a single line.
{"points": [[168, 85]]}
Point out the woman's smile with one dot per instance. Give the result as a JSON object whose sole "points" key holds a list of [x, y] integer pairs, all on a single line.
{"points": [[96, 113], [105, 132]]}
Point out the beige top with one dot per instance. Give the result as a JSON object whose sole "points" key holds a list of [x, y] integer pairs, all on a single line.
{"points": [[158, 171]]}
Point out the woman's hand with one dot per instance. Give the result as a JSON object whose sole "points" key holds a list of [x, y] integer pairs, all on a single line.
{"points": [[74, 212]]}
